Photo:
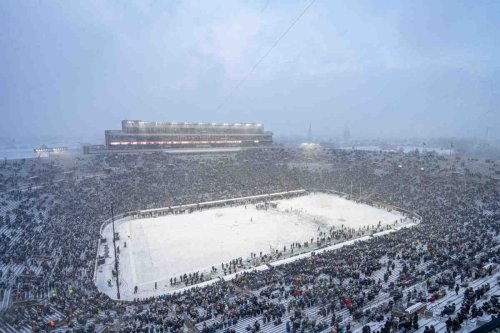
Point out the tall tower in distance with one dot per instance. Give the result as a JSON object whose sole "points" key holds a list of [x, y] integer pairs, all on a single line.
{"points": [[309, 134], [347, 134]]}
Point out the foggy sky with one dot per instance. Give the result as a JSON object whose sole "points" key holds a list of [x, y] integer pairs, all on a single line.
{"points": [[383, 69]]}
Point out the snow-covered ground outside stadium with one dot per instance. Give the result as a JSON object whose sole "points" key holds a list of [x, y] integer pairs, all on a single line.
{"points": [[159, 248]]}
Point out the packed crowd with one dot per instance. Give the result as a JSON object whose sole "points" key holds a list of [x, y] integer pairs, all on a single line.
{"points": [[51, 212]]}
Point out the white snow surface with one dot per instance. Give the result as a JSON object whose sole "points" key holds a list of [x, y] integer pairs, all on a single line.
{"points": [[159, 248]]}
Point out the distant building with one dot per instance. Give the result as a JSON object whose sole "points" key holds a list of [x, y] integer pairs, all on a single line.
{"points": [[347, 135], [45, 149], [137, 134], [94, 149]]}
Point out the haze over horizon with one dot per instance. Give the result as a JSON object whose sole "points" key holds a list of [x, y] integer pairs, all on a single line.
{"points": [[392, 70]]}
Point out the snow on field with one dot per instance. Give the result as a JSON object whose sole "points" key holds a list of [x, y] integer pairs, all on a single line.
{"points": [[167, 246]]}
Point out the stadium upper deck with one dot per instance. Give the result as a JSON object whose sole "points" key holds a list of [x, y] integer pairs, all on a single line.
{"points": [[160, 135]]}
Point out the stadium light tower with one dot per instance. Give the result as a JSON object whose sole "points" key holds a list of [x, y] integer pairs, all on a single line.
{"points": [[116, 260]]}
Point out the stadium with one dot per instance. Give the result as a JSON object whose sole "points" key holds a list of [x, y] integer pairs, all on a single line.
{"points": [[268, 240], [140, 191]]}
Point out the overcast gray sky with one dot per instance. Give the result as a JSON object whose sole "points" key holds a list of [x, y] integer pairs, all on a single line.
{"points": [[389, 69]]}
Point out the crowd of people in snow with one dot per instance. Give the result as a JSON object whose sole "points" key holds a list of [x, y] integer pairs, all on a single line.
{"points": [[51, 212]]}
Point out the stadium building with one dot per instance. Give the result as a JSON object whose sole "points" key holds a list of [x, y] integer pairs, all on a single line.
{"points": [[137, 134]]}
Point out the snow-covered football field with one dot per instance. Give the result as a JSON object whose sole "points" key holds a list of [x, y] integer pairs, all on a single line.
{"points": [[159, 248]]}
